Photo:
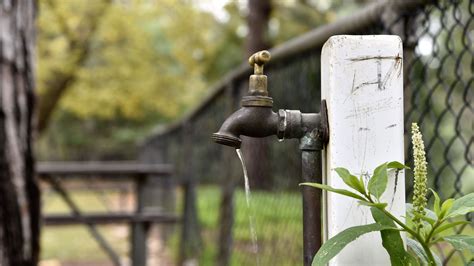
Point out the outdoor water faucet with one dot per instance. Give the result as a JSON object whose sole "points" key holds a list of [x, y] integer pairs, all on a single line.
{"points": [[256, 118]]}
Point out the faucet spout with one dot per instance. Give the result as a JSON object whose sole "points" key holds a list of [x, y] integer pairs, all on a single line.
{"points": [[250, 121]]}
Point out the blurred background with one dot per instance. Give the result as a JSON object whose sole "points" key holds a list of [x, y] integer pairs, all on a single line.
{"points": [[148, 81], [111, 71]]}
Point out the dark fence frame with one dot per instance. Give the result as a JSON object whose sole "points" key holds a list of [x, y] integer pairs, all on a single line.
{"points": [[140, 220]]}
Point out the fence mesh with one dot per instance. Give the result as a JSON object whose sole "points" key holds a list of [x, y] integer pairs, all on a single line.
{"points": [[438, 66]]}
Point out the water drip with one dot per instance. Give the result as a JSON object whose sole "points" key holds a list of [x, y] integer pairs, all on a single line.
{"points": [[253, 232]]}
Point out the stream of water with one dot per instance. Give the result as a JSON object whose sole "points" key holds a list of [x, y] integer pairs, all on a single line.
{"points": [[253, 232]]}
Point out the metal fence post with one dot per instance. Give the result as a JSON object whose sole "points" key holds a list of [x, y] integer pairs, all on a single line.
{"points": [[228, 183], [159, 193], [139, 229], [404, 23], [191, 242]]}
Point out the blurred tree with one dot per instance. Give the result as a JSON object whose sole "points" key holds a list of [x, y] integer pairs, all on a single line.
{"points": [[73, 47], [19, 194], [109, 71], [120, 64]]}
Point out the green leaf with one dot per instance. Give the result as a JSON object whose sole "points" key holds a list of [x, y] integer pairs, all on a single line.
{"points": [[420, 253], [462, 206], [397, 165], [426, 229], [350, 179], [436, 204], [428, 219], [447, 226], [380, 205], [378, 181], [446, 207], [411, 260], [391, 240], [461, 242], [335, 190], [335, 244], [417, 249]]}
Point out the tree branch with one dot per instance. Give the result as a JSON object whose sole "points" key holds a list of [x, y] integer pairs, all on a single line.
{"points": [[62, 80]]}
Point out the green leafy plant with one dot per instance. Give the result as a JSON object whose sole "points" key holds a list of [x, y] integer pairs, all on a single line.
{"points": [[424, 227]]}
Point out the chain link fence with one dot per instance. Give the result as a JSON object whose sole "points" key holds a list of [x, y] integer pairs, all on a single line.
{"points": [[438, 65]]}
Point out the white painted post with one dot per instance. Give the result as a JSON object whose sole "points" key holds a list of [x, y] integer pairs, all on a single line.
{"points": [[362, 82]]}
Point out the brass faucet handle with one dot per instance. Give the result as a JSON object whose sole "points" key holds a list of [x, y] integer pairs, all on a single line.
{"points": [[258, 59]]}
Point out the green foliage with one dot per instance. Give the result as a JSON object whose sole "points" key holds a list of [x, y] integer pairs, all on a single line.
{"points": [[132, 65], [424, 225], [335, 244], [461, 242], [436, 204], [391, 240], [397, 165], [373, 204], [462, 206], [433, 223], [350, 179], [446, 207], [378, 181], [335, 190], [146, 57], [420, 253], [139, 62], [448, 225]]}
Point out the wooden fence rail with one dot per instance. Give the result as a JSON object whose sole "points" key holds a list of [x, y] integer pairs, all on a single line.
{"points": [[140, 220]]}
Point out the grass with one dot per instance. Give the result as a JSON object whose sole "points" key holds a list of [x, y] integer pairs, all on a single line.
{"points": [[277, 219], [278, 225], [277, 222], [74, 243]]}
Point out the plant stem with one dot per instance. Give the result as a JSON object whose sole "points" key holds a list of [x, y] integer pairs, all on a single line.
{"points": [[426, 248], [430, 235], [414, 234]]}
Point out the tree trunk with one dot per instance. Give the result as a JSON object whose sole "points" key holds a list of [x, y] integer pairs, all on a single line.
{"points": [[256, 150], [19, 193]]}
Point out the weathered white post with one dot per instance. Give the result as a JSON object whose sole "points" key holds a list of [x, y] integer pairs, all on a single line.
{"points": [[362, 82]]}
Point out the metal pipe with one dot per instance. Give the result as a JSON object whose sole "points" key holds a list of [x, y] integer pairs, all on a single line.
{"points": [[311, 164], [312, 225]]}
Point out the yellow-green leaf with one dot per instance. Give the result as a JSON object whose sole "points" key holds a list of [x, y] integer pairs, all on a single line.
{"points": [[436, 204], [335, 190], [378, 181], [397, 165], [391, 240], [350, 179], [335, 244], [447, 226], [446, 207], [461, 242], [462, 206]]}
